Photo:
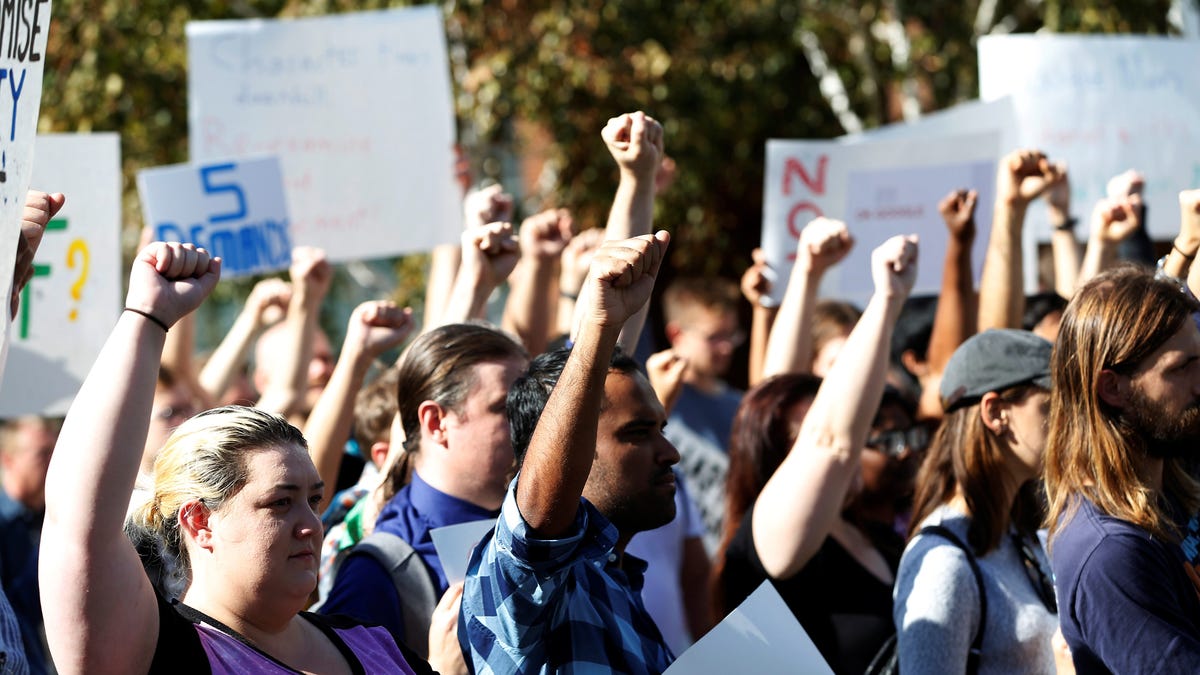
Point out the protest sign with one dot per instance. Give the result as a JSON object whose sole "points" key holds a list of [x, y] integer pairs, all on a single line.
{"points": [[357, 107], [760, 636], [234, 209], [23, 28], [454, 544], [69, 307], [880, 189], [1104, 104]]}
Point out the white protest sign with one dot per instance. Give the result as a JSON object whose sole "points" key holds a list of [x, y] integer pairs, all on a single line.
{"points": [[69, 307], [23, 28], [1104, 104], [235, 209], [454, 544], [760, 636], [357, 107], [880, 189]]}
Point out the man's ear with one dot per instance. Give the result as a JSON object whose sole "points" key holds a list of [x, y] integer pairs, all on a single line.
{"points": [[432, 418], [1111, 388], [672, 330], [993, 411], [916, 365], [193, 522], [379, 453]]}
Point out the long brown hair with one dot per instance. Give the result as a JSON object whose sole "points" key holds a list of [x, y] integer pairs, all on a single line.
{"points": [[964, 453], [1113, 323]]}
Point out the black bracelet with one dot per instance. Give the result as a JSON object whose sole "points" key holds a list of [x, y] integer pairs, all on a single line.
{"points": [[568, 296], [150, 316], [1068, 225], [1180, 251]]}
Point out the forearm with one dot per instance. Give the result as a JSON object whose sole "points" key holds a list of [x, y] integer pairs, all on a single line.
{"points": [[532, 307], [1001, 287], [1065, 249], [178, 354], [1098, 256], [468, 300], [632, 215], [802, 500], [789, 345], [230, 354], [560, 453], [289, 386], [955, 318], [443, 269], [760, 331], [332, 417]]}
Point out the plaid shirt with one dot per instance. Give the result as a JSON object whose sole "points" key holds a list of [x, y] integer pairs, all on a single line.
{"points": [[561, 605]]}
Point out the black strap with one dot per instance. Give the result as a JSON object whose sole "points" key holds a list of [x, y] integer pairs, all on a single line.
{"points": [[977, 644]]}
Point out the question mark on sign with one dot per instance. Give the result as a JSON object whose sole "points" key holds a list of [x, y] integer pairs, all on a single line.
{"points": [[78, 249]]}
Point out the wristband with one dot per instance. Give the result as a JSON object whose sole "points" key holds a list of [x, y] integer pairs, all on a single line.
{"points": [[150, 316], [1067, 226], [568, 296], [1180, 252]]}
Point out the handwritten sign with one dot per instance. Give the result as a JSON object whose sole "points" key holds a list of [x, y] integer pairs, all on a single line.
{"points": [[358, 108], [23, 28], [235, 209], [1104, 104], [760, 636], [71, 304], [880, 188]]}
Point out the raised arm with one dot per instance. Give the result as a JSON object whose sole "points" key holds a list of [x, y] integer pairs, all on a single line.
{"points": [[955, 318], [1112, 223], [490, 253], [233, 349], [532, 308], [803, 499], [756, 288], [1021, 177], [374, 327], [1065, 248], [823, 243], [480, 207], [635, 141], [576, 260], [311, 275], [560, 453], [100, 611], [1180, 260]]}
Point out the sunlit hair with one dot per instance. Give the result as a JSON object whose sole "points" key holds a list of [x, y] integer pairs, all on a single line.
{"points": [[204, 459], [964, 453], [687, 294], [761, 437], [439, 366], [1113, 323], [374, 408]]}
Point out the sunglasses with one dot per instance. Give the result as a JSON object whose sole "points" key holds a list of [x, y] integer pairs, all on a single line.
{"points": [[898, 441]]}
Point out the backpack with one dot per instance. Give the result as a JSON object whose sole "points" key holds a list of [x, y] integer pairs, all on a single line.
{"points": [[418, 596], [887, 659]]}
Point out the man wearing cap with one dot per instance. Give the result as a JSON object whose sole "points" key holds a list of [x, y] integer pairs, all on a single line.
{"points": [[1123, 533]]}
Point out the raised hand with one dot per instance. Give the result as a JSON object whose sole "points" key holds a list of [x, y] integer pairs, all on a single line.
{"points": [[545, 235], [577, 259], [894, 266], [168, 281], [1127, 184], [635, 141], [311, 273], [487, 205], [823, 243], [376, 326], [40, 207], [665, 371], [1025, 175], [268, 300], [755, 284], [490, 251], [958, 211], [1114, 220], [622, 276]]}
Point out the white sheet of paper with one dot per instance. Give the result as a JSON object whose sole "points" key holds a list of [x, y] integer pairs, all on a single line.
{"points": [[358, 107], [454, 544], [761, 636], [71, 304]]}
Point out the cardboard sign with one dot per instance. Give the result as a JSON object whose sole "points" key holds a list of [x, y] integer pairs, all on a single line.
{"points": [[74, 299], [880, 189], [23, 28], [760, 636], [358, 108], [235, 209], [1104, 104], [454, 544]]}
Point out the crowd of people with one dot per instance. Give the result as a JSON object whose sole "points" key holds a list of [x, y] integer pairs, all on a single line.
{"points": [[976, 481]]}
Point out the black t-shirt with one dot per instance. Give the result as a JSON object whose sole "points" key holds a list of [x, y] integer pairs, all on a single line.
{"points": [[846, 610]]}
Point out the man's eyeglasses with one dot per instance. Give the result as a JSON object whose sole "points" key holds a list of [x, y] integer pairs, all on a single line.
{"points": [[899, 441]]}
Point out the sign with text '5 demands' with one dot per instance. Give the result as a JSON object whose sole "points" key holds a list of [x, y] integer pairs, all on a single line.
{"points": [[23, 28], [235, 209], [357, 107], [71, 304]]}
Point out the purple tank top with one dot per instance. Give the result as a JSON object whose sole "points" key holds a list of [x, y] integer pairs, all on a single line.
{"points": [[374, 647]]}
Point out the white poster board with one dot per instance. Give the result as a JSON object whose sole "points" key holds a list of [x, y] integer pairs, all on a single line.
{"points": [[761, 636], [74, 299], [454, 544], [1104, 104], [233, 208], [880, 188], [358, 108], [22, 56]]}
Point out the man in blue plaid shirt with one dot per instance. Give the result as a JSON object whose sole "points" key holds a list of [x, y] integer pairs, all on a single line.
{"points": [[551, 590]]}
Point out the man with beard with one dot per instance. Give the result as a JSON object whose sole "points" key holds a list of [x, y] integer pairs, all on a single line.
{"points": [[1125, 410]]}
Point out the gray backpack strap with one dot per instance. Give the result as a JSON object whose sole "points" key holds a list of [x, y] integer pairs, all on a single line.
{"points": [[418, 596]]}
